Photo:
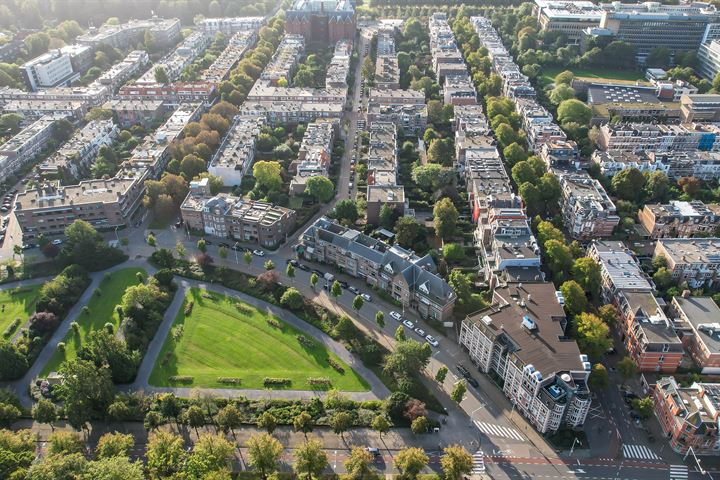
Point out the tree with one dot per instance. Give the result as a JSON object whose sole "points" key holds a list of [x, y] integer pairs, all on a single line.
{"points": [[313, 280], [267, 422], [195, 418], [657, 186], [400, 334], [269, 265], [45, 412], [380, 424], [310, 459], [264, 452], [628, 184], [408, 357], [267, 175], [662, 278], [608, 314], [229, 418], [87, 391], [223, 252], [644, 406], [565, 77], [586, 272], [341, 423], [445, 217], [303, 422], [161, 75], [321, 188], [202, 245], [432, 176], [458, 391], [359, 465], [599, 378], [192, 166], [380, 318], [248, 257], [441, 151], [336, 290], [574, 295], [558, 256], [346, 210], [357, 303], [523, 172], [593, 336], [626, 368], [410, 461], [573, 110], [560, 93], [419, 425], [407, 231], [441, 374], [114, 468], [114, 445], [505, 135], [292, 299], [453, 252], [57, 467], [456, 462], [165, 454], [8, 414], [152, 420]]}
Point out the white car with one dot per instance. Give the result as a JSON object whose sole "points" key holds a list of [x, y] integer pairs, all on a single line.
{"points": [[397, 316], [420, 331], [366, 297], [408, 324], [432, 341], [57, 241], [259, 253]]}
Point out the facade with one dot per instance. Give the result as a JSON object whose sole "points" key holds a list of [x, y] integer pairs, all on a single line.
{"points": [[521, 339], [23, 147], [171, 94], [339, 69], [692, 260], [700, 108], [699, 329], [321, 20], [136, 112], [702, 165], [659, 138], [709, 57], [226, 216], [410, 279], [680, 219], [648, 334], [50, 69], [588, 211], [688, 416], [236, 153]]}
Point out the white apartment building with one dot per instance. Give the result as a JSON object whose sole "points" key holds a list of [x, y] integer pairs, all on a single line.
{"points": [[230, 25], [49, 70], [236, 153]]}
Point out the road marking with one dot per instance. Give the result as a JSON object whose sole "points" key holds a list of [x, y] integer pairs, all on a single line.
{"points": [[678, 472], [478, 463], [490, 429], [639, 452]]}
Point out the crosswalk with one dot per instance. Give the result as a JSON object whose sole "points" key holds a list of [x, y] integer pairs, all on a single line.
{"points": [[678, 472], [478, 463], [638, 451], [492, 430]]}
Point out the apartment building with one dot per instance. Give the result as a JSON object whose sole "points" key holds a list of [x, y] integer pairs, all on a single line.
{"points": [[321, 20], [387, 72], [117, 75], [230, 25], [175, 62], [696, 319], [709, 59], [227, 216], [292, 112], [93, 95], [405, 108], [588, 212], [238, 44], [470, 119], [700, 108], [382, 167], [688, 416], [385, 41], [639, 136], [521, 338], [648, 334], [23, 147], [48, 208], [50, 69], [410, 279], [703, 165], [284, 61], [338, 70], [695, 261], [680, 219], [236, 153], [127, 113], [165, 32], [171, 94], [568, 18], [78, 153], [459, 89], [315, 154]]}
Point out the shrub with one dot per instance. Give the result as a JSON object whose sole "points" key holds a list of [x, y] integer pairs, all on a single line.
{"points": [[305, 341], [11, 328], [185, 379], [188, 308], [75, 327], [336, 365], [229, 380], [61, 346], [276, 382], [109, 327], [274, 323], [320, 382], [244, 309]]}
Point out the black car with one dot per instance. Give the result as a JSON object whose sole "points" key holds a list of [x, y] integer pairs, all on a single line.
{"points": [[472, 381], [28, 246], [207, 242], [630, 395], [304, 267], [223, 244], [292, 262], [318, 272], [343, 284], [463, 371], [237, 247]]}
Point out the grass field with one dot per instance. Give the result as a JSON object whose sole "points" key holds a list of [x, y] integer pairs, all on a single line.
{"points": [[221, 340], [17, 303], [549, 74], [102, 311]]}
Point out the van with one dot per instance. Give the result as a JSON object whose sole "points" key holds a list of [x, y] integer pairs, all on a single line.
{"points": [[329, 277]]}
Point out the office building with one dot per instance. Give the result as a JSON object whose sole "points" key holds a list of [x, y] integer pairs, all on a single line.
{"points": [[570, 19], [236, 153], [680, 219], [325, 21], [695, 261], [521, 338]]}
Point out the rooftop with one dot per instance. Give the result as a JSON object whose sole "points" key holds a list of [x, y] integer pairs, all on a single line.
{"points": [[692, 250], [620, 266], [703, 314]]}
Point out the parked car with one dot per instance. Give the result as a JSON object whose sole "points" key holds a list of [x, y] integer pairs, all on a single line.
{"points": [[354, 290], [259, 253], [366, 297], [292, 262], [471, 380], [432, 341], [420, 331], [329, 277], [463, 371], [223, 244], [396, 315], [408, 324], [57, 241], [343, 284], [303, 267], [375, 452]]}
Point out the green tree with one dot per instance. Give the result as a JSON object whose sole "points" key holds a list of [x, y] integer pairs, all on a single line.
{"points": [[229, 418], [662, 278], [161, 75], [565, 77], [608, 314], [456, 462], [419, 425], [644, 406], [558, 256], [267, 422], [407, 231], [267, 175], [264, 452], [86, 391], [359, 465], [310, 459], [380, 319], [453, 252], [357, 303], [400, 334], [628, 184], [586, 272], [152, 420], [313, 280], [321, 188], [192, 166], [248, 257], [114, 445], [45, 412], [411, 461], [346, 210], [441, 151], [341, 423], [408, 358], [458, 391], [627, 368], [573, 110], [599, 378], [445, 218], [165, 455], [303, 422], [575, 299], [441, 374], [292, 299], [657, 186], [8, 414], [202, 245], [269, 265], [114, 468], [593, 336], [560, 93], [336, 290], [380, 424], [195, 418], [524, 172], [223, 252]]}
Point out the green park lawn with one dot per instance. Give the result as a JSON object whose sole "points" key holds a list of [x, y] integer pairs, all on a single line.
{"points": [[223, 337], [18, 303], [549, 74], [101, 311]]}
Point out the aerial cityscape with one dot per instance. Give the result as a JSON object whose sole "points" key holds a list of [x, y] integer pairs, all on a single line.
{"points": [[353, 239]]}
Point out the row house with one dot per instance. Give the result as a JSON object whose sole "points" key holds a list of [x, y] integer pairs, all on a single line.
{"points": [[695, 261], [522, 339], [588, 212], [470, 119], [404, 108], [171, 94], [410, 279], [230, 25], [702, 165], [697, 320], [236, 153], [238, 44], [636, 137], [127, 112], [285, 60], [165, 32], [23, 147], [282, 113], [315, 154], [338, 70], [382, 168], [680, 219], [183, 55], [648, 334], [385, 41], [121, 72], [459, 89], [387, 72]]}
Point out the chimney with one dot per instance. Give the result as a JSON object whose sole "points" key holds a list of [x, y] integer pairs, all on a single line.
{"points": [[686, 294]]}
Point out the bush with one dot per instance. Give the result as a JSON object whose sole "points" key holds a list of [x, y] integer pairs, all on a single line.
{"points": [[11, 328], [305, 341], [188, 308], [244, 309], [336, 365], [274, 323], [184, 379], [61, 346], [229, 380], [61, 293], [276, 382], [320, 382]]}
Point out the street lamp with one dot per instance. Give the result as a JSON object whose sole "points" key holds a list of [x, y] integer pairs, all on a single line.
{"points": [[472, 421], [697, 461], [572, 448]]}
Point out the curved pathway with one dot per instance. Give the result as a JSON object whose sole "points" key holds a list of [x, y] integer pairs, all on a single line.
{"points": [[377, 389]]}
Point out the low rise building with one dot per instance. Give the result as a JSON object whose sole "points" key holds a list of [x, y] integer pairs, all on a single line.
{"points": [[588, 211], [236, 153], [521, 338], [165, 32], [702, 165], [700, 108], [411, 280], [698, 321], [338, 71], [237, 46], [405, 108], [127, 113], [387, 72], [292, 112], [639, 136], [284, 61], [23, 147], [174, 63], [230, 25], [680, 219], [315, 154], [459, 89], [568, 18], [385, 41], [386, 193], [118, 74], [171, 94], [695, 261]]}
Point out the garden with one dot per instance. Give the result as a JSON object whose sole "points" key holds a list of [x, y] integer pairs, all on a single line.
{"points": [[99, 311], [16, 306], [218, 341]]}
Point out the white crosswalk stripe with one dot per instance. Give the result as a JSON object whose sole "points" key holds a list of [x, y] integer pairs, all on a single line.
{"points": [[638, 451], [678, 472], [492, 430], [478, 463]]}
